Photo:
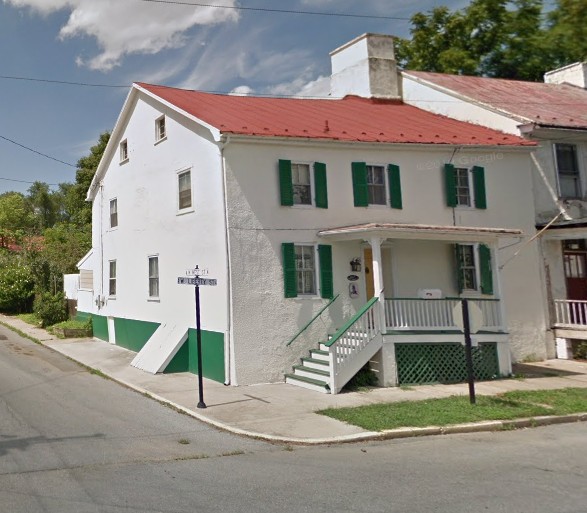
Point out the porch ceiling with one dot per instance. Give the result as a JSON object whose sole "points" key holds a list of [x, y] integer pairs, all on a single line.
{"points": [[418, 231]]}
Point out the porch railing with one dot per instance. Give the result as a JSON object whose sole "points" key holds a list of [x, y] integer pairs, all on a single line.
{"points": [[408, 314], [570, 312], [353, 345]]}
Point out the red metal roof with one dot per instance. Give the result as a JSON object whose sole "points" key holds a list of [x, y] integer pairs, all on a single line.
{"points": [[349, 119], [558, 105]]}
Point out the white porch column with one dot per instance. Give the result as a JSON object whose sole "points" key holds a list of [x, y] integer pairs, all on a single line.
{"points": [[377, 267]]}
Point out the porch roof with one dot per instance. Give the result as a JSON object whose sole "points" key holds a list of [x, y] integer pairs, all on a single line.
{"points": [[418, 231]]}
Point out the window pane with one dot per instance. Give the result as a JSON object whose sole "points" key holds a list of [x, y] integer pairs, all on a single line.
{"points": [[569, 186], [376, 185], [113, 213], [463, 188], [185, 190], [112, 279], [300, 175], [161, 128], [306, 274]]}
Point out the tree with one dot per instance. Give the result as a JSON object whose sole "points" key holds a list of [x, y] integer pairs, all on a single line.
{"points": [[16, 217], [496, 38], [43, 204]]}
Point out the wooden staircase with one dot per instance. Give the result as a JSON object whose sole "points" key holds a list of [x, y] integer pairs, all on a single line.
{"points": [[313, 372]]}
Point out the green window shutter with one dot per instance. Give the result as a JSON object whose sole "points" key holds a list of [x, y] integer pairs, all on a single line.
{"points": [[326, 280], [450, 185], [289, 269], [360, 189], [320, 185], [285, 184], [459, 259], [479, 187], [395, 186], [485, 269]]}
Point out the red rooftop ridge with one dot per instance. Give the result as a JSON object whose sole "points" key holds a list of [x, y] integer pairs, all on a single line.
{"points": [[351, 119]]}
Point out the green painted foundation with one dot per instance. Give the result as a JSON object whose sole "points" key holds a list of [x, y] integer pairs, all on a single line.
{"points": [[186, 359], [132, 334], [100, 327]]}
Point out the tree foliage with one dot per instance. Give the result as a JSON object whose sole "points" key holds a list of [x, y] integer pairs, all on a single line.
{"points": [[497, 38]]}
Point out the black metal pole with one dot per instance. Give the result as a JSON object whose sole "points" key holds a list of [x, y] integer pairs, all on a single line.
{"points": [[201, 403], [468, 351]]}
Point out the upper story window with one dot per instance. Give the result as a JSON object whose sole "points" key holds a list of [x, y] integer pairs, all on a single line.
{"points": [[112, 278], [569, 177], [374, 185], [465, 187], [113, 213], [123, 151], [184, 182], [160, 130], [153, 276], [303, 184]]}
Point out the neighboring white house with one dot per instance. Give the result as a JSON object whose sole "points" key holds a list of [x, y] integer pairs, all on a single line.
{"points": [[554, 115], [361, 218]]}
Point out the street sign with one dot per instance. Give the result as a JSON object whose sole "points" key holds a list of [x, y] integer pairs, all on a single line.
{"points": [[181, 280], [196, 272]]}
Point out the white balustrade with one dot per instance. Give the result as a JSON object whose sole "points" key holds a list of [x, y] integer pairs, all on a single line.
{"points": [[407, 314], [570, 312]]}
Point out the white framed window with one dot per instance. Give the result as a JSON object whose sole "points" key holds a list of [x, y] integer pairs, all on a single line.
{"points": [[305, 264], [123, 151], [112, 278], [302, 184], [160, 129], [569, 175], [154, 276], [184, 190], [376, 185], [463, 186], [113, 213], [468, 267]]}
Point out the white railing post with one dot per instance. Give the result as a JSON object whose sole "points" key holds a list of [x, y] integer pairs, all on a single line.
{"points": [[570, 312]]}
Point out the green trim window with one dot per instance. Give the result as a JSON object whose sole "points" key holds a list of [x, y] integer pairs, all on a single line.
{"points": [[465, 187], [303, 184], [112, 278], [373, 186], [302, 265], [154, 277], [569, 176], [474, 268]]}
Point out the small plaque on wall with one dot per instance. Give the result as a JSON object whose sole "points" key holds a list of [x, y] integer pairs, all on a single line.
{"points": [[352, 277]]}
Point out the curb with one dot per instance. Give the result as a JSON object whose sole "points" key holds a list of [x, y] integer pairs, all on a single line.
{"points": [[390, 434]]}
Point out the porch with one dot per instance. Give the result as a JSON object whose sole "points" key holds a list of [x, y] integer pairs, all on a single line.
{"points": [[570, 324]]}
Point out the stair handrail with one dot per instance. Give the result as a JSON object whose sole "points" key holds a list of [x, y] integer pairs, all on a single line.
{"points": [[313, 319], [351, 321]]}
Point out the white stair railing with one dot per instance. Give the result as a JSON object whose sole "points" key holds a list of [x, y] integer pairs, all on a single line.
{"points": [[354, 344], [570, 312]]}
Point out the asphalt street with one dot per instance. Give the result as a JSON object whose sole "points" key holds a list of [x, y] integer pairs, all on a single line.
{"points": [[72, 441]]}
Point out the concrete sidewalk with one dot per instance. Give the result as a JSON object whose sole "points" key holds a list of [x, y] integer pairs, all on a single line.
{"points": [[281, 412]]}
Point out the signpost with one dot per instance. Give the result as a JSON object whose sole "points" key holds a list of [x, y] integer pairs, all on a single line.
{"points": [[470, 319], [197, 280]]}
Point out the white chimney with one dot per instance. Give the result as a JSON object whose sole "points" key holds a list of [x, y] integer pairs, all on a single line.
{"points": [[366, 67], [574, 74]]}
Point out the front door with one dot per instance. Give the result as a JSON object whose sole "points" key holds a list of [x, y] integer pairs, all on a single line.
{"points": [[576, 274], [369, 284]]}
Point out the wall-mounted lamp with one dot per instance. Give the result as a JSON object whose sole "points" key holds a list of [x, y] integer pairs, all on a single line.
{"points": [[356, 265]]}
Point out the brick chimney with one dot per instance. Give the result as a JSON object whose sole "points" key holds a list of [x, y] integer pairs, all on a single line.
{"points": [[366, 67], [574, 74]]}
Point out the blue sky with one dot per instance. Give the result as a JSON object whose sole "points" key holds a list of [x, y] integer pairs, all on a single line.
{"points": [[116, 42]]}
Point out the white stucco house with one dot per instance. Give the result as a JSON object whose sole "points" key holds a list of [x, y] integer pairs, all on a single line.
{"points": [[554, 115], [341, 232]]}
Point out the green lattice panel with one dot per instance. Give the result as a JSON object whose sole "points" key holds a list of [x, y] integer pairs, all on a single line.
{"points": [[444, 363]]}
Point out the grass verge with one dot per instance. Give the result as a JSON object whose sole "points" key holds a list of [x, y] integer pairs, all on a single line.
{"points": [[457, 409], [30, 318]]}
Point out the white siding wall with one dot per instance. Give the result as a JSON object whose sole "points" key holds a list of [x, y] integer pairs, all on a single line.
{"points": [[146, 189], [264, 321]]}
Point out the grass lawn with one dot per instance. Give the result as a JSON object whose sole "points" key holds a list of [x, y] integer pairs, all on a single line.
{"points": [[30, 318], [457, 409]]}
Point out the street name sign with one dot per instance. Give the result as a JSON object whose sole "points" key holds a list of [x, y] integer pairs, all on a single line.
{"points": [[181, 280]]}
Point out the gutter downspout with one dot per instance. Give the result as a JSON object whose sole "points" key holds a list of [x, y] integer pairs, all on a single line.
{"points": [[229, 370]]}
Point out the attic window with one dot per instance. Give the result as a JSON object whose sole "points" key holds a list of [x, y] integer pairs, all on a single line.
{"points": [[123, 152], [160, 131]]}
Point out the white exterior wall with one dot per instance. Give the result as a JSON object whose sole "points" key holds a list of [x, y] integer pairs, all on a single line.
{"points": [[264, 321], [146, 189], [431, 99]]}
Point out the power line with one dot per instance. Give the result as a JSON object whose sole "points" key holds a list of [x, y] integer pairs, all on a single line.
{"points": [[281, 11], [65, 82], [37, 152], [24, 181]]}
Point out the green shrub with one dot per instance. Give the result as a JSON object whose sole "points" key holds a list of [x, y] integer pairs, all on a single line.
{"points": [[51, 308], [16, 287], [580, 351]]}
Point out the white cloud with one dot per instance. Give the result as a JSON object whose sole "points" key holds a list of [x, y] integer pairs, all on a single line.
{"points": [[124, 27], [242, 90]]}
